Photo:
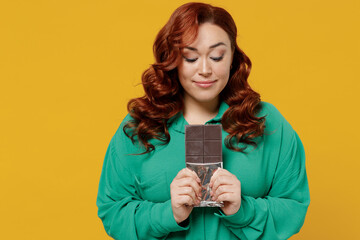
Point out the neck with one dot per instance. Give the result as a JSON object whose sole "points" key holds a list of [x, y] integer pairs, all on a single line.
{"points": [[199, 112]]}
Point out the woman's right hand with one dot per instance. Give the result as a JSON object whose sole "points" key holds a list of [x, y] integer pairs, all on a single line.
{"points": [[185, 192]]}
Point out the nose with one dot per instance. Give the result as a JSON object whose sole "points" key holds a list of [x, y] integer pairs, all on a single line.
{"points": [[205, 68]]}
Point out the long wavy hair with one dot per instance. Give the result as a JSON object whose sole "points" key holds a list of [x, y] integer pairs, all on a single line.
{"points": [[163, 96]]}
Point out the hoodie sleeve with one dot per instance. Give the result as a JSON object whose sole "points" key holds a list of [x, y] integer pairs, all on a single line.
{"points": [[123, 213], [281, 213]]}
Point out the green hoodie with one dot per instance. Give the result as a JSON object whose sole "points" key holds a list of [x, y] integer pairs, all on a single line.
{"points": [[134, 191]]}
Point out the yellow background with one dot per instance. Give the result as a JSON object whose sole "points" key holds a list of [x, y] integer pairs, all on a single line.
{"points": [[68, 69]]}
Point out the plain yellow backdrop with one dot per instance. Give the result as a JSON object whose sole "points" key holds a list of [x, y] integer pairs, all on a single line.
{"points": [[68, 69]]}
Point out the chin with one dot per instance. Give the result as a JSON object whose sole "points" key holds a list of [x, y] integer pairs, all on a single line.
{"points": [[205, 100]]}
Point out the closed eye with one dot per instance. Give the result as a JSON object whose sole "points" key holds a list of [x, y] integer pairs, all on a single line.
{"points": [[190, 59], [217, 59]]}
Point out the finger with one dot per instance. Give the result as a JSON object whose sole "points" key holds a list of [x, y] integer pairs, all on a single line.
{"points": [[189, 182], [194, 175], [218, 172], [222, 180], [222, 189], [225, 197], [185, 200], [183, 173], [186, 172], [188, 191]]}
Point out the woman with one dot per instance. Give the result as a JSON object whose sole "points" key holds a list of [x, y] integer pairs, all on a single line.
{"points": [[200, 77]]}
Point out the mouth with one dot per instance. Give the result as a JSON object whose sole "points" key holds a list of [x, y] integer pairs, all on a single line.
{"points": [[204, 84]]}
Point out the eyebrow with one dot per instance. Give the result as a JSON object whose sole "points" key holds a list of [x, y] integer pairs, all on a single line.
{"points": [[212, 46]]}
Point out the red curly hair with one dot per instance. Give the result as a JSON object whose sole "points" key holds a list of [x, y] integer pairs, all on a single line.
{"points": [[163, 97]]}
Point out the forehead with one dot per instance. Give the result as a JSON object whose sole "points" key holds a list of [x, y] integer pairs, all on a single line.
{"points": [[210, 36]]}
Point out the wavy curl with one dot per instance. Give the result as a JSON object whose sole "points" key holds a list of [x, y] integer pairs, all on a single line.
{"points": [[163, 97]]}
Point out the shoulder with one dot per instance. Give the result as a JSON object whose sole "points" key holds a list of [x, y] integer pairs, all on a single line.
{"points": [[274, 119], [120, 141], [270, 112], [120, 132], [278, 131], [279, 135]]}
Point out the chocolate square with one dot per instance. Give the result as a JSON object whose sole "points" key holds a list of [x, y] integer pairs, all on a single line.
{"points": [[194, 132], [212, 159], [195, 159], [212, 132], [194, 148], [212, 148]]}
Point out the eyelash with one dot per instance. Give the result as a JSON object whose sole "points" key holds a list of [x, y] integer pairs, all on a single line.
{"points": [[218, 59]]}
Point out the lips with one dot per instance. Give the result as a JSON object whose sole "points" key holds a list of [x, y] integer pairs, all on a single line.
{"points": [[205, 81], [204, 84]]}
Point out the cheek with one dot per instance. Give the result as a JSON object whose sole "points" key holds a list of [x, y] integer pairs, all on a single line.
{"points": [[222, 71], [186, 72]]}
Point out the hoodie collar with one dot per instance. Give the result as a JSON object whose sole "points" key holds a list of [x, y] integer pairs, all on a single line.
{"points": [[178, 122]]}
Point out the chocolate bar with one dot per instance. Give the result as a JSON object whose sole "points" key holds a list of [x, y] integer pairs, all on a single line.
{"points": [[203, 154]]}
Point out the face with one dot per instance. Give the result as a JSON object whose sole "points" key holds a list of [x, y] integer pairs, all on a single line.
{"points": [[205, 66]]}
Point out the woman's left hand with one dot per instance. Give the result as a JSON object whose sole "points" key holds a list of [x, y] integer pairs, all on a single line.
{"points": [[226, 187]]}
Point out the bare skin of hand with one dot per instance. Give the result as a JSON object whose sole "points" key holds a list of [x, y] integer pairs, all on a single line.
{"points": [[226, 187], [185, 192]]}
